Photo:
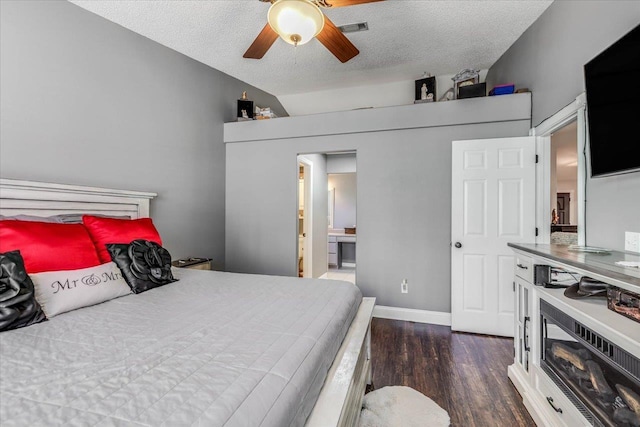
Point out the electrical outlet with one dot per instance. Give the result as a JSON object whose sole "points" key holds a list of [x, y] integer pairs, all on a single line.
{"points": [[404, 286], [631, 241]]}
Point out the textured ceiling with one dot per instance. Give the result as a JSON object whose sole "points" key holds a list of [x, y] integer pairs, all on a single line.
{"points": [[404, 39]]}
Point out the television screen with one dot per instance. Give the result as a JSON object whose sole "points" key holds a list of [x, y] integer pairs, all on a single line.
{"points": [[612, 81]]}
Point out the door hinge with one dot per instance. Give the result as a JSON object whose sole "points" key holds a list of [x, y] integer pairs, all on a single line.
{"points": [[537, 158], [536, 231], [514, 286]]}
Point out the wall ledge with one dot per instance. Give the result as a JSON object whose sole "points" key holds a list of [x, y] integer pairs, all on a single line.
{"points": [[451, 113]]}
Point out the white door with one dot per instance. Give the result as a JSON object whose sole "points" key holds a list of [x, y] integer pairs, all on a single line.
{"points": [[305, 204], [308, 221], [492, 203]]}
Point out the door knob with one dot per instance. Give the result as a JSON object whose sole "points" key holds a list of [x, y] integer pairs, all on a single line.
{"points": [[458, 245]]}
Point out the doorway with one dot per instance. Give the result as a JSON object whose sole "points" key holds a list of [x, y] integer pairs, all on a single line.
{"points": [[342, 231], [326, 215], [564, 185], [561, 176], [563, 202]]}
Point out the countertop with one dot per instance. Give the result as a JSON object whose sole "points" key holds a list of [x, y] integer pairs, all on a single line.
{"points": [[341, 234], [597, 263]]}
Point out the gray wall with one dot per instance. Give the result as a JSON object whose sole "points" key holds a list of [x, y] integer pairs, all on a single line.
{"points": [[85, 101], [549, 58], [403, 199], [341, 163]]}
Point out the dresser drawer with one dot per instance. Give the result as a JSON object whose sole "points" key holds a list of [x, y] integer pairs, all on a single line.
{"points": [[332, 248], [523, 267], [558, 405], [347, 239], [333, 259]]}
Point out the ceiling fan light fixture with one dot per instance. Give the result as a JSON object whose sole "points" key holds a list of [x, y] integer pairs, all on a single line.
{"points": [[296, 21]]}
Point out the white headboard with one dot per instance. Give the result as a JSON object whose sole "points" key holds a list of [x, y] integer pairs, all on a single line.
{"points": [[46, 199]]}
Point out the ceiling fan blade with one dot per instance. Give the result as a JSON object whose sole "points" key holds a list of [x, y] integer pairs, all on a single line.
{"points": [[262, 43], [337, 43], [344, 3]]}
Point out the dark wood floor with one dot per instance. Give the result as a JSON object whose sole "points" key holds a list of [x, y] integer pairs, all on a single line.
{"points": [[465, 374]]}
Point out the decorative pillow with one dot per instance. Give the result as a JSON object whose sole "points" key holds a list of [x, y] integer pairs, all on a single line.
{"points": [[48, 246], [18, 305], [144, 264], [109, 230], [62, 291]]}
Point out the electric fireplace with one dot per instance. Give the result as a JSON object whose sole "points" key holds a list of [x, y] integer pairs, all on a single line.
{"points": [[598, 377]]}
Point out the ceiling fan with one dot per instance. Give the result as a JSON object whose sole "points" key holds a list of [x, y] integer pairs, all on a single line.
{"points": [[298, 21]]}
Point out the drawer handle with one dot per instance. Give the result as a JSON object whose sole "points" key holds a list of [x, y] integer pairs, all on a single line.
{"points": [[550, 400], [522, 266]]}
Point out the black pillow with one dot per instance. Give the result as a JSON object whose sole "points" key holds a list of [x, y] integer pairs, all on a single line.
{"points": [[18, 305], [144, 264]]}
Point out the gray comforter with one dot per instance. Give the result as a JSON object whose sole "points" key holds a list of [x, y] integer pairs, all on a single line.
{"points": [[212, 349]]}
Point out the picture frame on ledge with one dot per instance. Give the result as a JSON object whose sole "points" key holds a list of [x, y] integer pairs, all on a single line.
{"points": [[430, 81], [466, 77], [245, 108]]}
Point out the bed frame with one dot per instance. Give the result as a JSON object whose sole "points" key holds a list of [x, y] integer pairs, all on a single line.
{"points": [[340, 399]]}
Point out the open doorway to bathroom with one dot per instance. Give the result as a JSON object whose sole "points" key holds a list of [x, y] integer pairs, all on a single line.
{"points": [[326, 236], [342, 231]]}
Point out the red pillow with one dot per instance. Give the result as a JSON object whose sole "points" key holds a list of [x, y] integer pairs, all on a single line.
{"points": [[109, 230], [49, 246]]}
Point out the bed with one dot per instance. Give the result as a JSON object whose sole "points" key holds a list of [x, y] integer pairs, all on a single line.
{"points": [[211, 349]]}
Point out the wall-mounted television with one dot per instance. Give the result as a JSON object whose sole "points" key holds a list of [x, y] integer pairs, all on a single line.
{"points": [[612, 81]]}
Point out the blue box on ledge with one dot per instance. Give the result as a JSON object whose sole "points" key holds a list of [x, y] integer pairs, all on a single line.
{"points": [[507, 89]]}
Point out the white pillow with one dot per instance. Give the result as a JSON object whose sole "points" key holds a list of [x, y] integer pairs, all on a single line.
{"points": [[66, 290]]}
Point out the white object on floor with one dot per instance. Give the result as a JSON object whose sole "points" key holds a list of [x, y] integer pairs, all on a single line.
{"points": [[629, 264], [401, 406]]}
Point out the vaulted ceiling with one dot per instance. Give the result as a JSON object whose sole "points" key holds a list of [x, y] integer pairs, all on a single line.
{"points": [[404, 38]]}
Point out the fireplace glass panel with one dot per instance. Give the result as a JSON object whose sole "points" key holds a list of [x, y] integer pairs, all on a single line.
{"points": [[582, 363]]}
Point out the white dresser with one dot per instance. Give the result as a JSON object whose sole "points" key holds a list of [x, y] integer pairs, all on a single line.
{"points": [[546, 320]]}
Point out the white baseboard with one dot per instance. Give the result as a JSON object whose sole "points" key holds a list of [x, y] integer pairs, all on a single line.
{"points": [[412, 315], [324, 276]]}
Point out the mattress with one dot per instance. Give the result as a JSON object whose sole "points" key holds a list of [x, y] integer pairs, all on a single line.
{"points": [[213, 349]]}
